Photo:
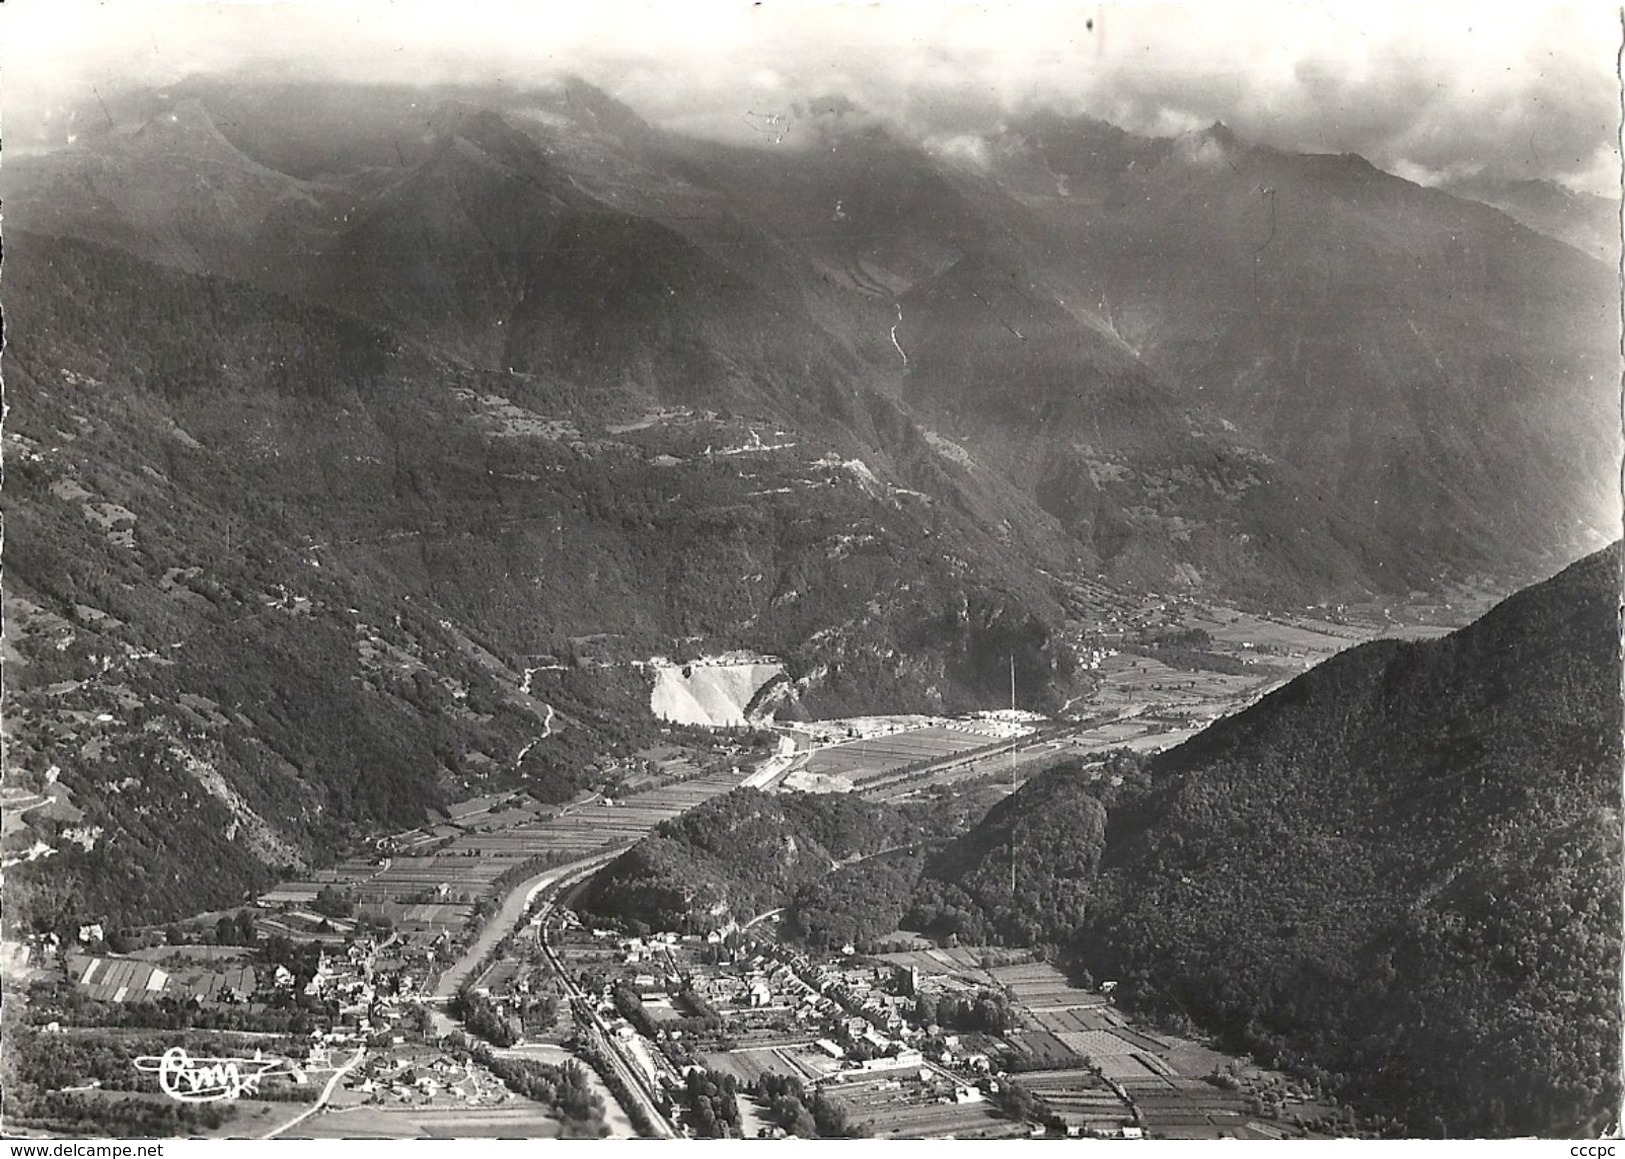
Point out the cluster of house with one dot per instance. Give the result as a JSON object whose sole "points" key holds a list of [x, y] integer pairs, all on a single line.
{"points": [[857, 1015], [412, 1081], [850, 996], [650, 949], [1093, 658], [370, 999]]}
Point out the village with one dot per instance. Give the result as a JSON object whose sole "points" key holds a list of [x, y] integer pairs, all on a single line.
{"points": [[404, 961], [920, 1041]]}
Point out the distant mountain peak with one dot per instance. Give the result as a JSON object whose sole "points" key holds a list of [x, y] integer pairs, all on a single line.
{"points": [[479, 125], [469, 132], [592, 108], [185, 127]]}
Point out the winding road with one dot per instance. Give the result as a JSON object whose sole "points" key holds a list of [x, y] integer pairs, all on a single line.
{"points": [[321, 1100]]}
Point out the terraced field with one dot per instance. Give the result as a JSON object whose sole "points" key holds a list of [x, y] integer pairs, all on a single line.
{"points": [[1040, 986], [1080, 1097], [909, 1109], [863, 760], [1066, 1020], [1038, 1050], [1174, 1107], [469, 864]]}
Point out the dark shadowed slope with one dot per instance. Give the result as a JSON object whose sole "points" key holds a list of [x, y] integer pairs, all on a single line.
{"points": [[1415, 386], [1444, 372], [1401, 871]]}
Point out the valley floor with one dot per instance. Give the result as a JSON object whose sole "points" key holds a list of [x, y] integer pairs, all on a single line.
{"points": [[503, 855]]}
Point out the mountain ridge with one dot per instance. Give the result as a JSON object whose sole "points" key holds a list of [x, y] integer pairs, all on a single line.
{"points": [[1399, 873]]}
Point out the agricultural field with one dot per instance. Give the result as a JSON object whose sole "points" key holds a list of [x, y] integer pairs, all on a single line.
{"points": [[1026, 1050], [1096, 1044], [437, 889], [1184, 1108], [1294, 638], [907, 1108], [1010, 771], [1081, 1097], [1167, 1078], [957, 965], [192, 954], [1135, 684], [1124, 1066], [520, 1119], [1070, 1021], [807, 1063], [862, 760], [1040, 986]]}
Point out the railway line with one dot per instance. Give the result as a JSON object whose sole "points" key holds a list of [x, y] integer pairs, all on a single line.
{"points": [[585, 1008]]}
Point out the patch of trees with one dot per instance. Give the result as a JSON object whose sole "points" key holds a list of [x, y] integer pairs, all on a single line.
{"points": [[834, 1121], [1191, 659], [65, 1003], [1021, 1104], [741, 854], [564, 1088], [987, 1011], [334, 901], [1199, 639], [70, 1113], [711, 1104], [45, 1061], [1026, 873], [858, 904], [485, 1018], [786, 1100]]}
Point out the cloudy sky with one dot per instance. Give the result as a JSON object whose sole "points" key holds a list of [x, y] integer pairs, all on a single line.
{"points": [[1428, 90]]}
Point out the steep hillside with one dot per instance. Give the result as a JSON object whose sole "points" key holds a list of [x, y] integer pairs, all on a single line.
{"points": [[1152, 489], [745, 853], [1025, 874], [1583, 220], [172, 189], [539, 390], [200, 662], [1405, 867], [1401, 871], [1208, 366], [1444, 372], [316, 565]]}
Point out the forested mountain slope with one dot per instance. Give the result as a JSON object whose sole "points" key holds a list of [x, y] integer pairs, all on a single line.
{"points": [[1402, 870], [1208, 365], [740, 855], [302, 566], [459, 385]]}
